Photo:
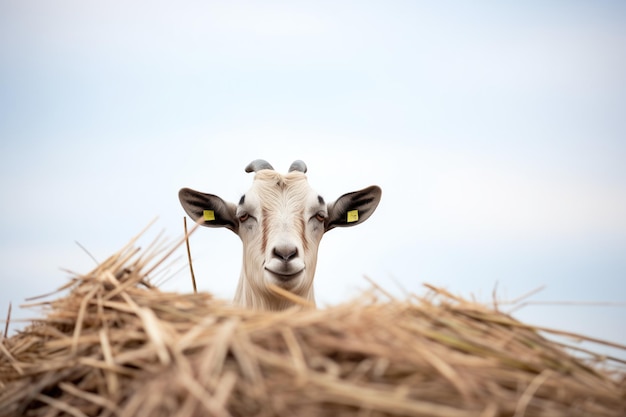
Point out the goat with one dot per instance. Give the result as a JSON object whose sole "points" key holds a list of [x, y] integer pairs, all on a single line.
{"points": [[280, 221]]}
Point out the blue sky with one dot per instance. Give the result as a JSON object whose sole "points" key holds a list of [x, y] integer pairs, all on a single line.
{"points": [[496, 131]]}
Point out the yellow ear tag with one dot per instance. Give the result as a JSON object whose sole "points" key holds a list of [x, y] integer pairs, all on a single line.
{"points": [[209, 215], [353, 216]]}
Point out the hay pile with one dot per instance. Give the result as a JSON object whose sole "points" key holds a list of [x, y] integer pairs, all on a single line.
{"points": [[115, 347]]}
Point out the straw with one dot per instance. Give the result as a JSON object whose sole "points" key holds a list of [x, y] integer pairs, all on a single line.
{"points": [[117, 346]]}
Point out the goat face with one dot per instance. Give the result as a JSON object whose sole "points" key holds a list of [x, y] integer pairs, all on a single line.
{"points": [[281, 221]]}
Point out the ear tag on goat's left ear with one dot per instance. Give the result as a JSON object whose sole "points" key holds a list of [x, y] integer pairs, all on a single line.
{"points": [[353, 216], [209, 215]]}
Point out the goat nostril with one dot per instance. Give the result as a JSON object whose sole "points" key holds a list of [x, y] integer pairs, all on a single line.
{"points": [[286, 253]]}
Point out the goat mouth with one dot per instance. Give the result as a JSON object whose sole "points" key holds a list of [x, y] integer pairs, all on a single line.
{"points": [[284, 277]]}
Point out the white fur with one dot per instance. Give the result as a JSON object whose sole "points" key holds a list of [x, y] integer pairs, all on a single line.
{"points": [[287, 206], [281, 221]]}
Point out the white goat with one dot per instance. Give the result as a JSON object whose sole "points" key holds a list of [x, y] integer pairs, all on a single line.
{"points": [[280, 221]]}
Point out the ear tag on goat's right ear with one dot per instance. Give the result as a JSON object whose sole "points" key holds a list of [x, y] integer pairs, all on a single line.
{"points": [[209, 215], [353, 216]]}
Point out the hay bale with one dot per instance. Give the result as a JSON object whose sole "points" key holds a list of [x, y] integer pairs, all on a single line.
{"points": [[115, 347]]}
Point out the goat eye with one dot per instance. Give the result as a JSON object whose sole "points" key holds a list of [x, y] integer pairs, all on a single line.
{"points": [[244, 217], [320, 217]]}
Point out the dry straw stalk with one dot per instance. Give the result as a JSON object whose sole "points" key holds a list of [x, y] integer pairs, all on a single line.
{"points": [[117, 346]]}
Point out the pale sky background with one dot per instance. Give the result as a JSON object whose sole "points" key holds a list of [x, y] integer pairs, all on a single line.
{"points": [[497, 132]]}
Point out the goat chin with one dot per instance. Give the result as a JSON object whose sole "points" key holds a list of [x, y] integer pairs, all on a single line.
{"points": [[260, 297]]}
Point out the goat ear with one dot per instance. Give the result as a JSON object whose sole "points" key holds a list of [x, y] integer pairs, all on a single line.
{"points": [[208, 209], [353, 208]]}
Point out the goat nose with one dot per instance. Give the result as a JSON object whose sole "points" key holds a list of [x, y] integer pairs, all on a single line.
{"points": [[286, 253]]}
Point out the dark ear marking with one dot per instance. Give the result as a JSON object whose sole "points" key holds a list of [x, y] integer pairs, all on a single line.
{"points": [[353, 208], [208, 209]]}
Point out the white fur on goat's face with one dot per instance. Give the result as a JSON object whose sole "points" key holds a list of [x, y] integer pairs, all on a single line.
{"points": [[280, 221], [281, 225]]}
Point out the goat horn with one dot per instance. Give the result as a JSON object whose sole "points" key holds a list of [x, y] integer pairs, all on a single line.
{"points": [[257, 165], [298, 166]]}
